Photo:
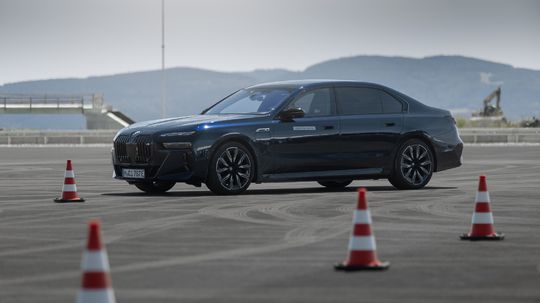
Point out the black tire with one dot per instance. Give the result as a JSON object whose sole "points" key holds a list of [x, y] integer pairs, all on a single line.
{"points": [[413, 165], [231, 169], [155, 187], [335, 183]]}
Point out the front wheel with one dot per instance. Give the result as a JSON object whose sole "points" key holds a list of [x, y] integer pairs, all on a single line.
{"points": [[413, 166], [155, 187], [231, 169]]}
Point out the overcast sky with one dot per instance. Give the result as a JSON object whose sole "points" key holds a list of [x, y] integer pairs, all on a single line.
{"points": [[74, 38]]}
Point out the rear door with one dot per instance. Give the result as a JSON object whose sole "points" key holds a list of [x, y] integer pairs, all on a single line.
{"points": [[371, 122]]}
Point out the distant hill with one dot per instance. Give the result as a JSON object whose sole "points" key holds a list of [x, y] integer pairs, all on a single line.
{"points": [[452, 82]]}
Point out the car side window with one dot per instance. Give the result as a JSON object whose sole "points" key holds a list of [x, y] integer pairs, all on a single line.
{"points": [[390, 104], [314, 103], [359, 100]]}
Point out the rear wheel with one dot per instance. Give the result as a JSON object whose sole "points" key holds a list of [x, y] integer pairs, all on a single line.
{"points": [[414, 165], [231, 169], [335, 183], [155, 187]]}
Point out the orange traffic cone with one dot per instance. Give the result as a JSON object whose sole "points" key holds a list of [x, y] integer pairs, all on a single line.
{"points": [[69, 190], [482, 219], [96, 281], [362, 249]]}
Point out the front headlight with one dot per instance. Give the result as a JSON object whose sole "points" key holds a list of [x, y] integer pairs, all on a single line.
{"points": [[177, 134], [177, 145]]}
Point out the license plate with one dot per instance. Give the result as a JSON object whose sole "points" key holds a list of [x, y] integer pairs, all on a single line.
{"points": [[133, 173]]}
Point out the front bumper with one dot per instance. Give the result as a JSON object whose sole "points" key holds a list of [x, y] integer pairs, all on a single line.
{"points": [[159, 164]]}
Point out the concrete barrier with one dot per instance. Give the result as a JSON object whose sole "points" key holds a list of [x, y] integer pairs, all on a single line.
{"points": [[500, 135], [34, 137], [39, 137]]}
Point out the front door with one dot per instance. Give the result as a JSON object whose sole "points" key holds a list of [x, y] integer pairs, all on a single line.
{"points": [[307, 144]]}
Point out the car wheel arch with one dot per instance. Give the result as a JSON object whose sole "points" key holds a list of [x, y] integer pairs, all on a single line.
{"points": [[242, 139], [420, 135]]}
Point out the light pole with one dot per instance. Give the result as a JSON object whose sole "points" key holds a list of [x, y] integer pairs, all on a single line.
{"points": [[163, 101]]}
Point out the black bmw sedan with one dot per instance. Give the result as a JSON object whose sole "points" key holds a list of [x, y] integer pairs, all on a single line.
{"points": [[332, 132]]}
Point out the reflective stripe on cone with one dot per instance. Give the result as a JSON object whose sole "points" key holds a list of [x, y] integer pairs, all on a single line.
{"points": [[93, 296]]}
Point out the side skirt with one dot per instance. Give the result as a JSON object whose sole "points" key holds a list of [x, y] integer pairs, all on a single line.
{"points": [[364, 173]]}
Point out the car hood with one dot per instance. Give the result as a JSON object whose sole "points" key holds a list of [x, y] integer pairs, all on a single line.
{"points": [[187, 121]]}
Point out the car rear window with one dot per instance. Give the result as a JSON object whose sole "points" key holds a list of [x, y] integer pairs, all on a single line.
{"points": [[358, 101], [390, 104], [366, 101]]}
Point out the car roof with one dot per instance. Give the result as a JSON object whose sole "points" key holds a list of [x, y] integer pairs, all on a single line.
{"points": [[314, 83]]}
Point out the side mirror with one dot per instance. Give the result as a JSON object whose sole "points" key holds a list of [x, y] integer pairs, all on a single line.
{"points": [[290, 114]]}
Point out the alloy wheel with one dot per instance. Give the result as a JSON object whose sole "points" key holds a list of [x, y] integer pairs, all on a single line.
{"points": [[416, 164], [233, 168]]}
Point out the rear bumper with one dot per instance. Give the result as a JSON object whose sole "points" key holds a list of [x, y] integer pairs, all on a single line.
{"points": [[449, 157]]}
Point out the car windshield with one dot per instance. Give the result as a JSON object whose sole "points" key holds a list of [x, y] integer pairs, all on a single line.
{"points": [[252, 101]]}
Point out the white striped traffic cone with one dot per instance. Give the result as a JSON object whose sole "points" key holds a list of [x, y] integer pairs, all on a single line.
{"points": [[482, 219], [69, 190], [362, 249], [96, 282]]}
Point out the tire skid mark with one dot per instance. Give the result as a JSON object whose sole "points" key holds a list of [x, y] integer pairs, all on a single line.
{"points": [[437, 208], [304, 234], [314, 231], [131, 230], [117, 232], [63, 215], [68, 213], [291, 242], [241, 213], [283, 210], [473, 174], [23, 169]]}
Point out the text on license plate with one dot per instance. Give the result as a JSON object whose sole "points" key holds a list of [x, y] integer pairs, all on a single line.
{"points": [[133, 173]]}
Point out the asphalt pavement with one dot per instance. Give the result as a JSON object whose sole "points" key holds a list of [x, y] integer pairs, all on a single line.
{"points": [[275, 243]]}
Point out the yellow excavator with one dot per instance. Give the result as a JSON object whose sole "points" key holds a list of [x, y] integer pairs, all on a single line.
{"points": [[490, 111]]}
